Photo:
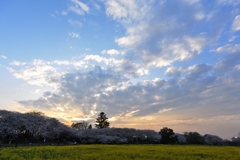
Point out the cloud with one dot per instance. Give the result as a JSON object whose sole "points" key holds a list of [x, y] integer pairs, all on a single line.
{"points": [[200, 16], [113, 52], [41, 75], [38, 72], [17, 63], [165, 110], [61, 62], [96, 5], [236, 23], [229, 2], [128, 41], [126, 11], [197, 89], [159, 37], [74, 35], [102, 60], [4, 57], [115, 9], [69, 97], [64, 13], [173, 71], [75, 23], [78, 7], [231, 60], [229, 48]]}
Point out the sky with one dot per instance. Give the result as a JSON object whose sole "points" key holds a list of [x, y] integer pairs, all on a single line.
{"points": [[146, 64]]}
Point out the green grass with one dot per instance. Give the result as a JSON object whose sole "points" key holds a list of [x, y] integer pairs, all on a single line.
{"points": [[121, 152]]}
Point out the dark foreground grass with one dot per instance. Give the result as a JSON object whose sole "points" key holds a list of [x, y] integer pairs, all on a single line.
{"points": [[121, 152]]}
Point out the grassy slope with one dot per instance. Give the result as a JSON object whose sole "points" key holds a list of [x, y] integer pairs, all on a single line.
{"points": [[114, 152]]}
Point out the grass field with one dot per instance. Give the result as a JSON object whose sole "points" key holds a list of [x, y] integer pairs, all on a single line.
{"points": [[114, 152]]}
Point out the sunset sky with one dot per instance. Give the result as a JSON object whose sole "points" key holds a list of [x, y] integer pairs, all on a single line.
{"points": [[147, 64]]}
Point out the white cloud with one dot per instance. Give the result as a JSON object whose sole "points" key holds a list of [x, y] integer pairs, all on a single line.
{"points": [[81, 5], [37, 72], [195, 72], [237, 67], [75, 23], [96, 6], [236, 23], [165, 110], [64, 13], [142, 71], [113, 52], [99, 59], [52, 15], [128, 41], [232, 38], [40, 75], [96, 58], [229, 2], [173, 71], [159, 38], [17, 63], [74, 35], [200, 15], [231, 59], [195, 43], [4, 57], [59, 62], [78, 7], [37, 91], [39, 62], [116, 9], [126, 11], [229, 48], [177, 50]]}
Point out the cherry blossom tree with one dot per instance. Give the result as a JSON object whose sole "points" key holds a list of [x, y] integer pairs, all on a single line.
{"points": [[213, 139]]}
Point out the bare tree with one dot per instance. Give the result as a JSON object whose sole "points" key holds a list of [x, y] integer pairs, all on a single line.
{"points": [[80, 125]]}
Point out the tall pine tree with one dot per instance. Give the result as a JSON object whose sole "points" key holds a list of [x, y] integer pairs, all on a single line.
{"points": [[102, 121]]}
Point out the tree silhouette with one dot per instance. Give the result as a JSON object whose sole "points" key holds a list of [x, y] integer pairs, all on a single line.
{"points": [[80, 125], [167, 136], [194, 138], [102, 121]]}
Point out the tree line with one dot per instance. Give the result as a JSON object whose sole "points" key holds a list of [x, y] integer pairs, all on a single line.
{"points": [[36, 127]]}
